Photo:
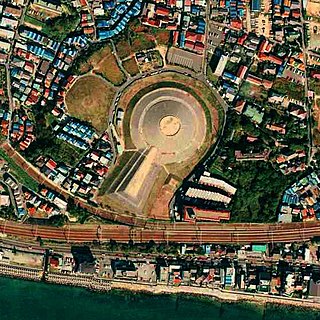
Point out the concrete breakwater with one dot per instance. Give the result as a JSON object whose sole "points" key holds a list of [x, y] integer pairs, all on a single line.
{"points": [[21, 272], [90, 282]]}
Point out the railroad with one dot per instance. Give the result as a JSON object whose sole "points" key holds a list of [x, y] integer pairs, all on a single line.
{"points": [[179, 232]]}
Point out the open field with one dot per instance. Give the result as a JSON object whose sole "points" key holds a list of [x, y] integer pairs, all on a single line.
{"points": [[139, 38], [316, 137], [162, 36], [89, 99], [23, 259], [139, 43], [123, 49], [143, 42], [161, 212], [131, 66], [104, 63]]}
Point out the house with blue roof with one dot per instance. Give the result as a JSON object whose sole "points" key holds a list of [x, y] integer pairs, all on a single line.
{"points": [[256, 5]]}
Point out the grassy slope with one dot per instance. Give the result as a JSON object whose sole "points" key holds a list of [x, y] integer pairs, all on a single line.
{"points": [[19, 173]]}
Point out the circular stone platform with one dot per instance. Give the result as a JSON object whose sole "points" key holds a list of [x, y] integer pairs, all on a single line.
{"points": [[170, 125], [170, 120]]}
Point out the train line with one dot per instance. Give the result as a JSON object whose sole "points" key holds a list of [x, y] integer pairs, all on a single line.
{"points": [[180, 233]]}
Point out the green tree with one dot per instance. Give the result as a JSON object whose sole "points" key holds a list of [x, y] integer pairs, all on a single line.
{"points": [[81, 214], [58, 220], [58, 28]]}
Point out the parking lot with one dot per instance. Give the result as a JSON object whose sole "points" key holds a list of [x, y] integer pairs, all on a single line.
{"points": [[184, 58], [215, 36]]}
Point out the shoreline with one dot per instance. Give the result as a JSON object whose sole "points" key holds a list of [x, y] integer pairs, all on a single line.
{"points": [[103, 285], [220, 295]]}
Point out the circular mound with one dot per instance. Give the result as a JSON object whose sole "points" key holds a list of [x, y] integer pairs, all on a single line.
{"points": [[170, 120], [170, 125]]}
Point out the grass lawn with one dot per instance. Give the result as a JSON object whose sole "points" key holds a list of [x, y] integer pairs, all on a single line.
{"points": [[19, 173], [104, 63], [131, 66], [291, 89], [211, 76], [34, 22], [89, 99]]}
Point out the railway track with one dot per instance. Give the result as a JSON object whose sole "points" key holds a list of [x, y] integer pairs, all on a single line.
{"points": [[181, 233]]}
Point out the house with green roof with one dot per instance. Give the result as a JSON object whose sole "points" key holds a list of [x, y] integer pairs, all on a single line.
{"points": [[259, 248]]}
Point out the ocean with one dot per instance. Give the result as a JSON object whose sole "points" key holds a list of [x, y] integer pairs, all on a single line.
{"points": [[24, 300]]}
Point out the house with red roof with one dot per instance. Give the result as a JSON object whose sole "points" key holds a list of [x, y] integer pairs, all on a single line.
{"points": [[236, 24], [254, 79], [199, 47], [242, 71], [162, 11], [171, 3]]}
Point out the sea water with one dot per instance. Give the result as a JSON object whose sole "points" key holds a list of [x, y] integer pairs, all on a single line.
{"points": [[26, 300]]}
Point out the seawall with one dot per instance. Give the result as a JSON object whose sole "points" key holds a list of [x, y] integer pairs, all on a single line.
{"points": [[92, 282]]}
